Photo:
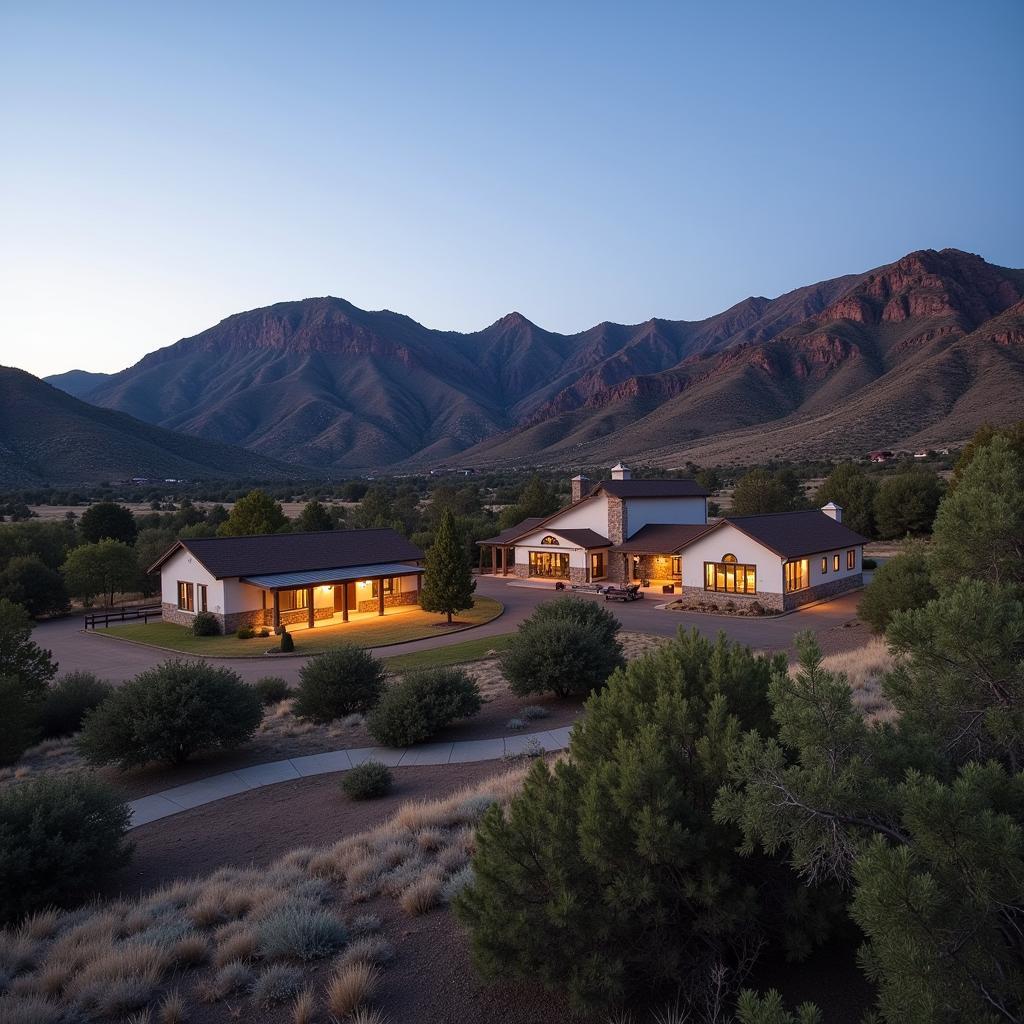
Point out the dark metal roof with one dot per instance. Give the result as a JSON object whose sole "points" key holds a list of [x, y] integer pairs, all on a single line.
{"points": [[296, 552], [662, 538], [509, 535], [685, 488], [316, 577], [582, 538], [795, 534]]}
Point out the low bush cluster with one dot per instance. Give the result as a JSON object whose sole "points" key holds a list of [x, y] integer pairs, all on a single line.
{"points": [[367, 781], [421, 703], [69, 700], [168, 713], [272, 689], [205, 624], [61, 838], [344, 681]]}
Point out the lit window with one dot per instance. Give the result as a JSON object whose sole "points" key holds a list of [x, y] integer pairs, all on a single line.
{"points": [[796, 575], [835, 563], [824, 565], [550, 540], [851, 559], [201, 594], [186, 597], [729, 577]]}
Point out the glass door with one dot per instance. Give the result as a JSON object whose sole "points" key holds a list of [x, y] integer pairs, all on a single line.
{"points": [[549, 564]]}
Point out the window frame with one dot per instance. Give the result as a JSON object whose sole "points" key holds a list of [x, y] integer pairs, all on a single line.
{"points": [[677, 567], [851, 559], [550, 540], [297, 603], [186, 591], [835, 562], [714, 572], [202, 597], [824, 565], [804, 574], [598, 565]]}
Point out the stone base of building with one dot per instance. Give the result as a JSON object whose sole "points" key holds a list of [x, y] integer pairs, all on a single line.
{"points": [[172, 613], [722, 601], [234, 621], [824, 590], [400, 600], [520, 571]]}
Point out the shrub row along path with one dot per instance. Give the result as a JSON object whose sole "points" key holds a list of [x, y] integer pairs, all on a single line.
{"points": [[115, 660], [217, 787]]}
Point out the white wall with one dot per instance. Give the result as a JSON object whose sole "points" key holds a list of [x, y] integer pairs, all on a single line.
{"points": [[532, 542], [678, 511], [814, 564], [182, 566], [728, 540], [590, 514]]}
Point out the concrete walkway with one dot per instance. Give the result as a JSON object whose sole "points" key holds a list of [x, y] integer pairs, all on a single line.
{"points": [[217, 787]]}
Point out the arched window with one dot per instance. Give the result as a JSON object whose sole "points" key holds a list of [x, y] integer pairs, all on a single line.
{"points": [[549, 540], [728, 558]]}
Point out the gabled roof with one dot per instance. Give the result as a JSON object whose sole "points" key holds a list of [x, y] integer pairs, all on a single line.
{"points": [[685, 488], [794, 534], [506, 536], [582, 537], [226, 557], [662, 538]]}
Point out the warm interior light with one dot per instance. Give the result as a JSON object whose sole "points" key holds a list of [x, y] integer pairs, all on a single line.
{"points": [[327, 587]]}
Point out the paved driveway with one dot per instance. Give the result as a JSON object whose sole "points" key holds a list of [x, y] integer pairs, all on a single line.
{"points": [[117, 660]]}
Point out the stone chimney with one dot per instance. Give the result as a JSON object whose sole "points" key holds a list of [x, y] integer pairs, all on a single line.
{"points": [[833, 510], [580, 488], [621, 472]]}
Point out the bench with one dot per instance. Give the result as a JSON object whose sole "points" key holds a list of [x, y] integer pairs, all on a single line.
{"points": [[630, 593], [588, 588]]}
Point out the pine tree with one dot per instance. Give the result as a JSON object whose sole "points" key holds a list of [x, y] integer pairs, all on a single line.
{"points": [[256, 513], [448, 582]]}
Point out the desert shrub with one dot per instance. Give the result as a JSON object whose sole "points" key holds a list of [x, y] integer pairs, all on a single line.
{"points": [[351, 986], [245, 633], [69, 700], [300, 932], [287, 643], [366, 781], [608, 874], [19, 715], [277, 984], [168, 713], [272, 689], [231, 978], [61, 838], [421, 703], [205, 624], [345, 681], [534, 711], [560, 654], [515, 724], [901, 584]]}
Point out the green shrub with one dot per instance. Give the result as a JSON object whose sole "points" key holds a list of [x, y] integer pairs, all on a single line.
{"points": [[581, 610], [61, 838], [263, 632], [277, 984], [367, 781], [561, 655], [300, 932], [20, 657], [69, 699], [19, 719], [272, 689], [245, 633], [287, 643], [345, 681], [421, 703], [205, 624], [168, 713], [902, 583]]}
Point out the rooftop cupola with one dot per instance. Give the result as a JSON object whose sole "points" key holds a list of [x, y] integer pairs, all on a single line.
{"points": [[834, 511], [621, 472]]}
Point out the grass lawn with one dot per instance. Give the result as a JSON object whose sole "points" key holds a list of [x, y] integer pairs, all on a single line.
{"points": [[369, 632], [453, 654]]}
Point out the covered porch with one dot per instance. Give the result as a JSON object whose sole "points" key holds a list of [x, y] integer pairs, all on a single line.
{"points": [[332, 596]]}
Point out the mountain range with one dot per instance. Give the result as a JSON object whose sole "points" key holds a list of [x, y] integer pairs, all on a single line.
{"points": [[918, 352], [49, 437]]}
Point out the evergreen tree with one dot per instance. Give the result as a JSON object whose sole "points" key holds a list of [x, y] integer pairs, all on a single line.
{"points": [[20, 657], [106, 520], [315, 516], [906, 504], [37, 588], [448, 582], [854, 491], [900, 583], [1014, 434], [759, 492], [255, 513], [979, 529], [537, 499], [607, 876]]}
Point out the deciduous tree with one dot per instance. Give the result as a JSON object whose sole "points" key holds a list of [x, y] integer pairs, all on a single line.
{"points": [[255, 513], [106, 567], [854, 491], [106, 520]]}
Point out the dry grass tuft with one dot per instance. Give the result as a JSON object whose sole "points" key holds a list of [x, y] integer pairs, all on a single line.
{"points": [[172, 1009], [238, 944], [351, 986], [32, 1010], [190, 951], [864, 668], [370, 949], [366, 1015], [304, 1007], [424, 894]]}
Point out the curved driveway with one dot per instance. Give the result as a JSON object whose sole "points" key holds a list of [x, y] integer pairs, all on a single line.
{"points": [[117, 660]]}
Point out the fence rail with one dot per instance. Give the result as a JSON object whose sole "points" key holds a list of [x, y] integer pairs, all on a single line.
{"points": [[124, 614]]}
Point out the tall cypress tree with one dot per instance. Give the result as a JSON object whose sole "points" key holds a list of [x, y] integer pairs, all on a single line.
{"points": [[448, 582]]}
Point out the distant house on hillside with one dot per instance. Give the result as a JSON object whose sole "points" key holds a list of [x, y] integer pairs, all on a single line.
{"points": [[656, 532], [290, 578]]}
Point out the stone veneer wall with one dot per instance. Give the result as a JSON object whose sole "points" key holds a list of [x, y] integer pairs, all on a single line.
{"points": [[656, 567], [765, 599], [831, 589], [407, 597], [779, 602], [172, 613], [618, 527]]}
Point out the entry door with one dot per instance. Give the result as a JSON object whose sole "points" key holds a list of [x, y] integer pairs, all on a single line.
{"points": [[337, 596]]}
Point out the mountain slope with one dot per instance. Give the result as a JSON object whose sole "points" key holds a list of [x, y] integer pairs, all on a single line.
{"points": [[324, 383], [48, 436], [77, 382]]}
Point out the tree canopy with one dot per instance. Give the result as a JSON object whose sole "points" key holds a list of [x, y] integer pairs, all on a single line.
{"points": [[256, 513]]}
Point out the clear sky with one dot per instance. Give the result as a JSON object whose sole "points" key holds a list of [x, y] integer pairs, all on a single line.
{"points": [[165, 165]]}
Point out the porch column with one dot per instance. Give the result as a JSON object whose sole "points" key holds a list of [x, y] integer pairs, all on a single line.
{"points": [[419, 581], [504, 561], [380, 597], [344, 602], [310, 608], [494, 560], [277, 612]]}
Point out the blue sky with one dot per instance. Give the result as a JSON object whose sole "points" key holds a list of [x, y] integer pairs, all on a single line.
{"points": [[167, 165]]}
